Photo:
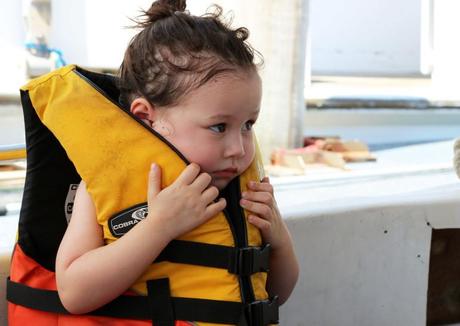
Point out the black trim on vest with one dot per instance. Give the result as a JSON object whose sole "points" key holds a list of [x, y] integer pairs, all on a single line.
{"points": [[259, 313], [235, 217], [42, 219]]}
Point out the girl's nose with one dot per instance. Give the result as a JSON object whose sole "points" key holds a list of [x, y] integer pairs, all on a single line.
{"points": [[235, 147]]}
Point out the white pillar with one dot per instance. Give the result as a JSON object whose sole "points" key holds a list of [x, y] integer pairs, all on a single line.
{"points": [[12, 56], [279, 30]]}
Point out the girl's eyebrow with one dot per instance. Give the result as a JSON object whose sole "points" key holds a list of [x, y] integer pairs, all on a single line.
{"points": [[219, 117], [227, 116]]}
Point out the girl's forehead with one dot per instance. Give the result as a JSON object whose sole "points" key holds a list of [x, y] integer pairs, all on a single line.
{"points": [[228, 85], [249, 79], [227, 95]]}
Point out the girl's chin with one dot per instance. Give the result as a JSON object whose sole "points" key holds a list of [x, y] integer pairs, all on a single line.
{"points": [[220, 183]]}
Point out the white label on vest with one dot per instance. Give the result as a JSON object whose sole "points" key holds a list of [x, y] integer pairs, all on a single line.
{"points": [[124, 221], [69, 201]]}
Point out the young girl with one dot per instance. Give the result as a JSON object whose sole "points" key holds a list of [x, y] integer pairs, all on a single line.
{"points": [[200, 250]]}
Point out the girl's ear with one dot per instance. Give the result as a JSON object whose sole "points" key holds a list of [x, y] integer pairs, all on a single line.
{"points": [[142, 109]]}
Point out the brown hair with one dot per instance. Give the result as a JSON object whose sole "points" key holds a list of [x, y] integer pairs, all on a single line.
{"points": [[176, 52]]}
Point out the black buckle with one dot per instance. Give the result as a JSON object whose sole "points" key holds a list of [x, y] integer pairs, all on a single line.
{"points": [[250, 260], [263, 312]]}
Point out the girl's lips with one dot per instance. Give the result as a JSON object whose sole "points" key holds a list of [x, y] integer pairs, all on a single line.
{"points": [[227, 173]]}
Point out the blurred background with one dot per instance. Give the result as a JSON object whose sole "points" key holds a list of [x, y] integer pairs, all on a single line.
{"points": [[351, 89], [383, 73]]}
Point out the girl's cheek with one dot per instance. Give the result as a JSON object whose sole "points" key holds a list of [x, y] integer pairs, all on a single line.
{"points": [[250, 153]]}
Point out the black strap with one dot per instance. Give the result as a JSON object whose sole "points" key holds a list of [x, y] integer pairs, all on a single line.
{"points": [[263, 312], [160, 302], [240, 261], [45, 300], [249, 260], [259, 313]]}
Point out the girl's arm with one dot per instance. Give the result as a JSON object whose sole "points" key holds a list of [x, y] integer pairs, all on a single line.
{"points": [[89, 274], [284, 268], [284, 271]]}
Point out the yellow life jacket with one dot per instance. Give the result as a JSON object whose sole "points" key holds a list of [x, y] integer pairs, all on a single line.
{"points": [[75, 129]]}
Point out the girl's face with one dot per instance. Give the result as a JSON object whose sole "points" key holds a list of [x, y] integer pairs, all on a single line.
{"points": [[212, 125]]}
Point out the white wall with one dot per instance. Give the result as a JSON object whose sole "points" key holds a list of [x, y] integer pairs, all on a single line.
{"points": [[12, 39], [12, 28], [446, 69], [363, 242], [368, 265], [93, 33], [367, 37], [348, 37]]}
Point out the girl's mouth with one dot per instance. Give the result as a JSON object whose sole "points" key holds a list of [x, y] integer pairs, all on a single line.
{"points": [[226, 173]]}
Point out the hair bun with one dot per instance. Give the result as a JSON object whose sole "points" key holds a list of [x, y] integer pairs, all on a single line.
{"points": [[175, 5], [161, 9]]}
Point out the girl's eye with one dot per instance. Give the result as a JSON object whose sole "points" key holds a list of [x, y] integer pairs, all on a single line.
{"points": [[219, 128], [248, 125]]}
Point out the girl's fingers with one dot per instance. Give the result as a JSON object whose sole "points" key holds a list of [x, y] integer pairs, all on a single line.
{"points": [[210, 194], [259, 223], [261, 197], [260, 209], [201, 182], [189, 174], [215, 208], [261, 186], [154, 182]]}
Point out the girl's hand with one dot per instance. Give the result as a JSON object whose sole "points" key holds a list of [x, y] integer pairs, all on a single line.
{"points": [[185, 204], [284, 268], [260, 201]]}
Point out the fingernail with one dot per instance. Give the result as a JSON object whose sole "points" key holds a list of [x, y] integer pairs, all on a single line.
{"points": [[244, 194], [153, 167], [243, 202]]}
